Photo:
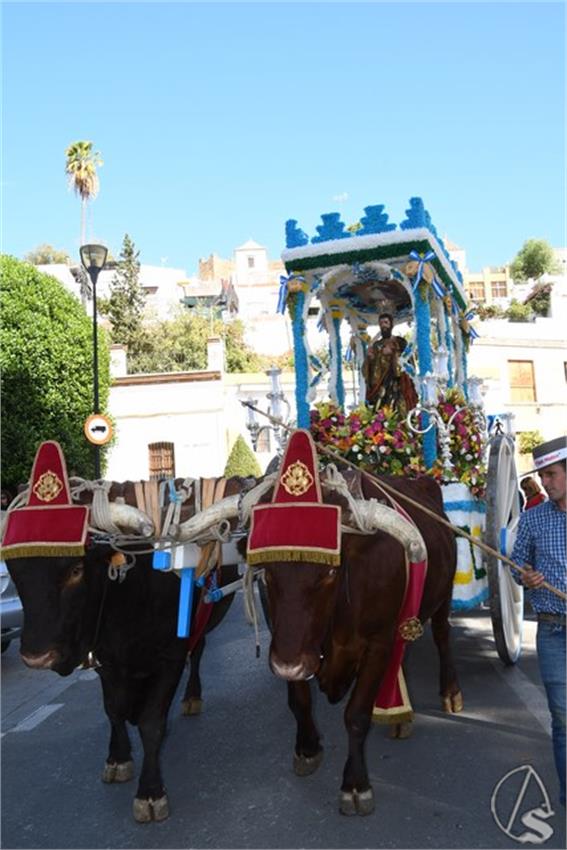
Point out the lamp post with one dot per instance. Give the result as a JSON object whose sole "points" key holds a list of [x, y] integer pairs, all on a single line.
{"points": [[277, 399], [93, 258]]}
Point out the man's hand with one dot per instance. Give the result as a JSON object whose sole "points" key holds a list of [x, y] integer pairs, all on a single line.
{"points": [[532, 579]]}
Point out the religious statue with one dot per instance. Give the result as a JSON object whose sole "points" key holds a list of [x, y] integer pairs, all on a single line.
{"points": [[386, 382]]}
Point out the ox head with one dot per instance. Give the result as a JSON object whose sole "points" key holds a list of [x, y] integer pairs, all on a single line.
{"points": [[57, 596], [296, 539], [301, 599], [58, 575]]}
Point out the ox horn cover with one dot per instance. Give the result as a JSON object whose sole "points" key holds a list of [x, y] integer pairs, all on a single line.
{"points": [[49, 525], [296, 526]]}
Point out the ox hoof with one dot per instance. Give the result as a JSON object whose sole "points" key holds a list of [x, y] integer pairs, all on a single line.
{"points": [[146, 810], [356, 802], [118, 771], [453, 703], [305, 765], [191, 706], [401, 730]]}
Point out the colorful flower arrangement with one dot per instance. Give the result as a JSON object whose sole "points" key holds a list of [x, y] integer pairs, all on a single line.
{"points": [[377, 441], [381, 442]]}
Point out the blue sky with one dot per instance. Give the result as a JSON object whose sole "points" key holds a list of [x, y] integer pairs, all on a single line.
{"points": [[217, 122]]}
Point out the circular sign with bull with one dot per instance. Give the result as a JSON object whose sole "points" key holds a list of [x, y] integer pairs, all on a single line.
{"points": [[98, 429]]}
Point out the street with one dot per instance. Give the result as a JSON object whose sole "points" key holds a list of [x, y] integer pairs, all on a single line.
{"points": [[228, 771]]}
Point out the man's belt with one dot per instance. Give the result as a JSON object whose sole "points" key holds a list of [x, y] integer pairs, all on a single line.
{"points": [[543, 617]]}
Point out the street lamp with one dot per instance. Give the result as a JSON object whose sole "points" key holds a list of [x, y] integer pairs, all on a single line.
{"points": [[93, 258], [277, 400]]}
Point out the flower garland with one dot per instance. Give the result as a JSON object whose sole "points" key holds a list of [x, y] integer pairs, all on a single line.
{"points": [[466, 441], [380, 441]]}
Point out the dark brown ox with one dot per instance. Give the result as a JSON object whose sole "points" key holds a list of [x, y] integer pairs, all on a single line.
{"points": [[71, 608], [339, 625]]}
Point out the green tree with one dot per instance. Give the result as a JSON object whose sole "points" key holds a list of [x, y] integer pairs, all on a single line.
{"points": [[534, 259], [45, 255], [239, 356], [47, 371], [180, 345], [125, 305], [242, 461]]}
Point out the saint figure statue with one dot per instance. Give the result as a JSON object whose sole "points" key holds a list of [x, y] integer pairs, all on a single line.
{"points": [[386, 382]]}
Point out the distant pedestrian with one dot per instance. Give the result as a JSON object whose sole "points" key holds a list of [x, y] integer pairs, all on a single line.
{"points": [[532, 491], [541, 545], [5, 499]]}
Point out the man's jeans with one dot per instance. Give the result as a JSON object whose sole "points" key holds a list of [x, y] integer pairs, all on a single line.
{"points": [[551, 657]]}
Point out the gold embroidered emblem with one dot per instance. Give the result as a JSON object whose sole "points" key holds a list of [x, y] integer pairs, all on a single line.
{"points": [[411, 629], [297, 479], [48, 486]]}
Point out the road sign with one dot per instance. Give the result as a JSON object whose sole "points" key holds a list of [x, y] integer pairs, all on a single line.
{"points": [[98, 429]]}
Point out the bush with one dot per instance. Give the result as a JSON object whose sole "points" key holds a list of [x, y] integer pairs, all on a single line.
{"points": [[517, 312], [539, 299], [46, 351], [489, 311], [242, 461]]}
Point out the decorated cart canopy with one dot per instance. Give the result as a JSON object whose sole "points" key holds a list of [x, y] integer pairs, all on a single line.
{"points": [[356, 275], [360, 273]]}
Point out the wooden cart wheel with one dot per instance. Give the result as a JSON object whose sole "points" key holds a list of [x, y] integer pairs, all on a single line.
{"points": [[502, 516]]}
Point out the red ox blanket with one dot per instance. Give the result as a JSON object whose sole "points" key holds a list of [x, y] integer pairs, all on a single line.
{"points": [[392, 704]]}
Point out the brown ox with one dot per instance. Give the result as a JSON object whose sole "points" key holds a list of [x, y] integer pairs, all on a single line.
{"points": [[339, 624]]}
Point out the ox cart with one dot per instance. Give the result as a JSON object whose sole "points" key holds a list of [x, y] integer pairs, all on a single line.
{"points": [[426, 412]]}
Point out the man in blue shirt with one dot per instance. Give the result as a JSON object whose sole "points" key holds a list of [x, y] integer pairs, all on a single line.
{"points": [[541, 546]]}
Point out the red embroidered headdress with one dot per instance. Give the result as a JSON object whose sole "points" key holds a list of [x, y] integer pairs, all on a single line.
{"points": [[296, 526], [49, 524]]}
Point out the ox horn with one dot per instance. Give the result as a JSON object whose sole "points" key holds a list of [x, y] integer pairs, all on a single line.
{"points": [[131, 519], [195, 527], [375, 516]]}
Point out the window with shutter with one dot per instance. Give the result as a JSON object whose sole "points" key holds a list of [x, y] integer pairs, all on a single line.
{"points": [[522, 380], [162, 461]]}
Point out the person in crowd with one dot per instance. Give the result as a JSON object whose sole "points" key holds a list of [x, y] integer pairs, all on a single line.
{"points": [[540, 548], [386, 382], [5, 499], [532, 491]]}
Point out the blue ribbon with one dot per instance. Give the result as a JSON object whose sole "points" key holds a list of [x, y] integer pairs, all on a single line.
{"points": [[316, 283], [315, 362], [283, 293], [421, 262], [438, 288], [469, 317]]}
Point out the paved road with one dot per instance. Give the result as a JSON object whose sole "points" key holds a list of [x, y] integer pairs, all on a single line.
{"points": [[228, 771]]}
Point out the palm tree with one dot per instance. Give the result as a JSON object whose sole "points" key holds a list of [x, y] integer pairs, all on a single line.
{"points": [[80, 166]]}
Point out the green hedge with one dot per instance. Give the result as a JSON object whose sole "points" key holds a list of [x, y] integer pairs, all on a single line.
{"points": [[46, 350]]}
